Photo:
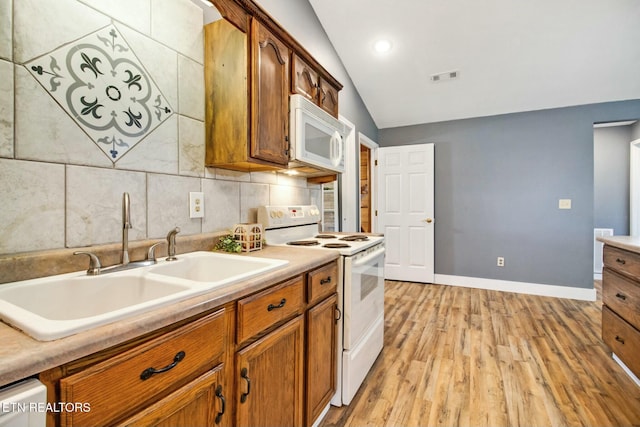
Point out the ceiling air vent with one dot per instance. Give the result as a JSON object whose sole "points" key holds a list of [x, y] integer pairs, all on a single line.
{"points": [[448, 75]]}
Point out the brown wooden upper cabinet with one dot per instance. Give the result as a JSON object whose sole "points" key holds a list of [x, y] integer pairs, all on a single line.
{"points": [[247, 98], [269, 96], [251, 66], [306, 81]]}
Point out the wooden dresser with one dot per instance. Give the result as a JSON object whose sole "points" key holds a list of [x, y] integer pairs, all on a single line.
{"points": [[621, 309]]}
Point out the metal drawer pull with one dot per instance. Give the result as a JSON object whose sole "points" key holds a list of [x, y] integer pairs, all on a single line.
{"points": [[243, 374], [338, 313], [621, 261], [620, 340], [147, 373], [327, 280], [224, 404], [621, 296], [273, 307]]}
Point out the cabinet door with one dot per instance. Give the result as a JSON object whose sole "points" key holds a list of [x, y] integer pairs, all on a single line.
{"points": [[328, 100], [304, 79], [199, 403], [269, 96], [269, 378], [321, 357]]}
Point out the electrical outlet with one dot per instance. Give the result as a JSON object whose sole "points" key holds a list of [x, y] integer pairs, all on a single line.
{"points": [[196, 204], [500, 261]]}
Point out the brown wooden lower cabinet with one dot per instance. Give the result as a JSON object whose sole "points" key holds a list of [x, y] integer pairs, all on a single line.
{"points": [[621, 305], [230, 367], [269, 378], [199, 403], [321, 357]]}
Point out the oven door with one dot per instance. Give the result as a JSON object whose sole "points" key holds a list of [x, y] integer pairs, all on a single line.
{"points": [[363, 293]]}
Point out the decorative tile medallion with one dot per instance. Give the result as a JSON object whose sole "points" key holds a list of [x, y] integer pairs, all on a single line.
{"points": [[101, 84]]}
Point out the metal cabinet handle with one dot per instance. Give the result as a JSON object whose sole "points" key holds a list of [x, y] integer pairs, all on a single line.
{"points": [[338, 313], [621, 296], [273, 307], [324, 281], [620, 340], [224, 404], [621, 261], [245, 376], [149, 372]]}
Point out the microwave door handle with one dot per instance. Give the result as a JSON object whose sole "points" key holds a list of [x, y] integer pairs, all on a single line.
{"points": [[340, 144], [332, 148], [336, 148]]}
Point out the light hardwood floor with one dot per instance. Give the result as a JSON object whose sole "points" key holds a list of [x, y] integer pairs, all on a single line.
{"points": [[467, 357]]}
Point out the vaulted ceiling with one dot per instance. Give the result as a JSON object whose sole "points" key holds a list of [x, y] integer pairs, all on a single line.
{"points": [[508, 55]]}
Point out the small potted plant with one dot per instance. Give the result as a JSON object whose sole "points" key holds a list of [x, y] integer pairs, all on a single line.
{"points": [[228, 244]]}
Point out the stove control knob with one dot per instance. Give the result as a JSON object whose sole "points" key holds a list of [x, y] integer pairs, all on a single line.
{"points": [[272, 214], [280, 214]]}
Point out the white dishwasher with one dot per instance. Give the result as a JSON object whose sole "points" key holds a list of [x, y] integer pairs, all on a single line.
{"points": [[23, 404]]}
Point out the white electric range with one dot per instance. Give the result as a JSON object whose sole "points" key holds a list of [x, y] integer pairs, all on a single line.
{"points": [[360, 287]]}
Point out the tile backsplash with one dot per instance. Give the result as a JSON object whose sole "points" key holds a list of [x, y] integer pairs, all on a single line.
{"points": [[98, 98]]}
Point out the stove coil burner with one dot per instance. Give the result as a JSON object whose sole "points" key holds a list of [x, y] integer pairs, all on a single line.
{"points": [[355, 238], [336, 245], [304, 243], [325, 236]]}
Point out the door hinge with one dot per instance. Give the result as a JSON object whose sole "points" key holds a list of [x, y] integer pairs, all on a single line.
{"points": [[375, 163]]}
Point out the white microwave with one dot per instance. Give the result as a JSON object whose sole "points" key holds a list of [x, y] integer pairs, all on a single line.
{"points": [[316, 137]]}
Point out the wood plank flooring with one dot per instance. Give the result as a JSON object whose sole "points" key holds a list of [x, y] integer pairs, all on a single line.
{"points": [[467, 357]]}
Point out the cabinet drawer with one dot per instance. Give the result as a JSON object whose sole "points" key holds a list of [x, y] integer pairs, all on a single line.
{"points": [[622, 261], [259, 312], [622, 339], [622, 296], [115, 388], [322, 282]]}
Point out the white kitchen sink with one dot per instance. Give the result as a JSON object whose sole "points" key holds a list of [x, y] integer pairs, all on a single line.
{"points": [[216, 269], [58, 306]]}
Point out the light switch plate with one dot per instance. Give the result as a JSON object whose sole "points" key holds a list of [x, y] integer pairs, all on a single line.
{"points": [[196, 204], [564, 204]]}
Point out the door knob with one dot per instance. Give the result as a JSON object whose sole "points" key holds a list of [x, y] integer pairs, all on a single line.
{"points": [[428, 220]]}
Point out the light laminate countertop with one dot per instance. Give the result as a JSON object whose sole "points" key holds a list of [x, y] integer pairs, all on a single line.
{"points": [[22, 356], [628, 243]]}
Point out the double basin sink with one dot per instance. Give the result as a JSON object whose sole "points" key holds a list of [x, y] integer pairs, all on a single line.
{"points": [[58, 306]]}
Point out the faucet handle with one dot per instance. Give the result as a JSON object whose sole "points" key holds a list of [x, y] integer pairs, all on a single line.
{"points": [[151, 254], [94, 262]]}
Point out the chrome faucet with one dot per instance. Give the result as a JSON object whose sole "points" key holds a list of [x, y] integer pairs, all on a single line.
{"points": [[126, 225], [95, 267], [171, 242]]}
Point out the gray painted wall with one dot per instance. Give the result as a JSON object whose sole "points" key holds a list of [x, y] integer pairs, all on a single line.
{"points": [[497, 184], [611, 178]]}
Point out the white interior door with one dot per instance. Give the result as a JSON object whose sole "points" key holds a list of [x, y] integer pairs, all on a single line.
{"points": [[406, 211]]}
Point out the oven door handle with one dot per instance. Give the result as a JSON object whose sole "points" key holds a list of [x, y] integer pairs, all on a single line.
{"points": [[364, 260]]}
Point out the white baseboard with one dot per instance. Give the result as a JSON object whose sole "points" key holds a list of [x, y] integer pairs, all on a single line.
{"points": [[518, 287], [626, 369], [323, 414]]}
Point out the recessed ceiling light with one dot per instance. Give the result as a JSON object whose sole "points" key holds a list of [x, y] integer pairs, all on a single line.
{"points": [[382, 46]]}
